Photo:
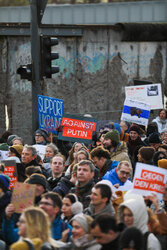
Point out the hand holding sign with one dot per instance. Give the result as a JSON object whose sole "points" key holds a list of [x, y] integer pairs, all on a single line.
{"points": [[149, 179], [23, 196]]}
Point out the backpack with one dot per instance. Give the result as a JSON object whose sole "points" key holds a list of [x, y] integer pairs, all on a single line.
{"points": [[45, 246]]}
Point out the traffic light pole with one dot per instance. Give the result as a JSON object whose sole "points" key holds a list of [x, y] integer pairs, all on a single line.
{"points": [[35, 49]]}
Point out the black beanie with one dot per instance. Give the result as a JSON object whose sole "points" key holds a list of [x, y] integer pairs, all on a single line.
{"points": [[38, 179], [154, 138], [42, 132], [136, 128], [131, 237]]}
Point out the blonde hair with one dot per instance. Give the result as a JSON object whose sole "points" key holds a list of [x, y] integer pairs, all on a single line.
{"points": [[37, 223]]}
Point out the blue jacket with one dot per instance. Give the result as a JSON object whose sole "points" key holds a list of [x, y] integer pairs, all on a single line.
{"points": [[113, 177], [10, 233]]}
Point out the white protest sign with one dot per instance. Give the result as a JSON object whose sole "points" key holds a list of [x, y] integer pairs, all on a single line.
{"points": [[40, 150], [149, 179], [136, 112], [4, 155], [151, 94]]}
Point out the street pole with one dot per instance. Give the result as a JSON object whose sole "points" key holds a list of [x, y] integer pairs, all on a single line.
{"points": [[37, 8], [35, 56]]}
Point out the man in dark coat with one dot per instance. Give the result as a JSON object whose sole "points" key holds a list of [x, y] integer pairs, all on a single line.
{"points": [[81, 183], [106, 232]]}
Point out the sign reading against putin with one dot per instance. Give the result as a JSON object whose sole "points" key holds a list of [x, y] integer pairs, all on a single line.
{"points": [[75, 128], [50, 112], [149, 179]]}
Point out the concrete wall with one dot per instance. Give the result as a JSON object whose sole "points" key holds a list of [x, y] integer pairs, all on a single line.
{"points": [[94, 69]]}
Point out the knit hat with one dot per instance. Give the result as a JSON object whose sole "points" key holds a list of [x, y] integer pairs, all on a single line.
{"points": [[154, 138], [152, 127], [77, 208], [162, 163], [10, 139], [38, 179], [4, 182], [136, 128], [42, 132], [113, 135], [18, 148], [147, 153], [4, 147], [84, 220], [131, 237]]}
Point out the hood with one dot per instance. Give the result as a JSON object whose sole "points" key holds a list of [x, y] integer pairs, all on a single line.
{"points": [[139, 211]]}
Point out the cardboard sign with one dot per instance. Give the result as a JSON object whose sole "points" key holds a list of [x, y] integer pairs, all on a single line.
{"points": [[40, 150], [3, 155], [23, 196], [136, 112], [149, 179], [77, 128], [50, 112], [151, 94], [10, 170]]}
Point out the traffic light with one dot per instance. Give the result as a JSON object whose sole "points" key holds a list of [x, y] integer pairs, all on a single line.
{"points": [[25, 71], [47, 56]]}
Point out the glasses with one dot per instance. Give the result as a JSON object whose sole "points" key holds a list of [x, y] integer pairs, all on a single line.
{"points": [[46, 203], [38, 135], [124, 173]]}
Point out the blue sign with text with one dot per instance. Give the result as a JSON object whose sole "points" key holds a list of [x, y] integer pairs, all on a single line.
{"points": [[50, 112]]}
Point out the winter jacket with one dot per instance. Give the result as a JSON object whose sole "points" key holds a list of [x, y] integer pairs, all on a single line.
{"points": [[113, 245], [114, 179], [140, 220], [63, 187], [22, 245], [120, 153], [109, 209], [83, 192], [160, 123], [54, 181]]}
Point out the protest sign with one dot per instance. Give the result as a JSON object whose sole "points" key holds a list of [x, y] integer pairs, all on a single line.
{"points": [[149, 179], [3, 155], [136, 112], [50, 112], [77, 128], [151, 94], [23, 196], [10, 170], [40, 150]]}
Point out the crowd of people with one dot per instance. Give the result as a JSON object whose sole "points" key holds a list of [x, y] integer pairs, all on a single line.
{"points": [[84, 196]]}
